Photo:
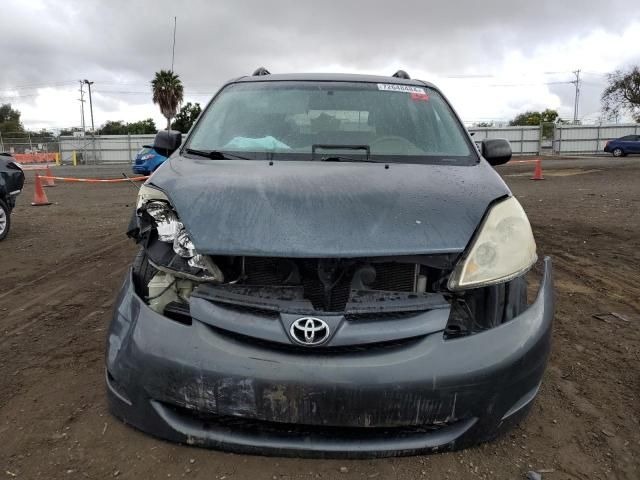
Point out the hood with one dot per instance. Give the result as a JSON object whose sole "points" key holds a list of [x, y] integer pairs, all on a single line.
{"points": [[327, 209]]}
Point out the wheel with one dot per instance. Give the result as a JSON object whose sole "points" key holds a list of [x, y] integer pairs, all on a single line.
{"points": [[618, 152], [143, 272], [5, 220]]}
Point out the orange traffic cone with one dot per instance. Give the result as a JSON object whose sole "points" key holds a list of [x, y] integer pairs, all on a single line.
{"points": [[49, 181], [537, 174], [39, 197]]}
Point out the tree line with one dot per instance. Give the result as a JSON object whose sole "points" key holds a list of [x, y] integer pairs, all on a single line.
{"points": [[10, 123]]}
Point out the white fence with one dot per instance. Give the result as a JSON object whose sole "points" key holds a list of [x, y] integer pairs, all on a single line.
{"points": [[123, 148], [524, 140], [589, 139], [103, 148], [567, 139]]}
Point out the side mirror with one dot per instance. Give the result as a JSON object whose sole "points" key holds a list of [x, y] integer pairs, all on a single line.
{"points": [[496, 151], [167, 141]]}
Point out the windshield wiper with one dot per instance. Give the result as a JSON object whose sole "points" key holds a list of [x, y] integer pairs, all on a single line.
{"points": [[343, 158], [330, 146], [215, 154]]}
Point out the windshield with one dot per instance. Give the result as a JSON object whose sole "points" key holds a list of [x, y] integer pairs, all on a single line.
{"points": [[332, 120]]}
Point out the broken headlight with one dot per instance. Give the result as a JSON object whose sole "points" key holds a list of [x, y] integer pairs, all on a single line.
{"points": [[171, 231], [503, 249], [182, 244], [166, 220]]}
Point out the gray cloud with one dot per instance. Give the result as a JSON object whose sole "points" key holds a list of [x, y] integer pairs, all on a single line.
{"points": [[120, 44]]}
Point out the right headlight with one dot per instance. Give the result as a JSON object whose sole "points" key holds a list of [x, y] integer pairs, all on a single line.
{"points": [[503, 249], [148, 193], [170, 230]]}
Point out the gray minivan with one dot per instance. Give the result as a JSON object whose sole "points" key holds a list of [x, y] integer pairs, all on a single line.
{"points": [[329, 267]]}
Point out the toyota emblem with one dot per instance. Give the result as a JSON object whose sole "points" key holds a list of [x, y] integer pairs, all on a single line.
{"points": [[309, 331]]}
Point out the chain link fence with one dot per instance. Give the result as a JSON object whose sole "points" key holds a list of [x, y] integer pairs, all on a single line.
{"points": [[102, 149], [29, 142]]}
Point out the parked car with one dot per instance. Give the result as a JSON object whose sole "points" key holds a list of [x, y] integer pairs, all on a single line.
{"points": [[329, 267], [623, 146], [11, 183], [147, 160]]}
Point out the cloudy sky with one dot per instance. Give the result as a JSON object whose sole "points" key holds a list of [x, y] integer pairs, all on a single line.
{"points": [[493, 59]]}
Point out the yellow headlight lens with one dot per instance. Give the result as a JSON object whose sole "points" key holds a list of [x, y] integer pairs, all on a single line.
{"points": [[503, 249]]}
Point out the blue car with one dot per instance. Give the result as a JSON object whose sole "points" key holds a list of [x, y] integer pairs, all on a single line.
{"points": [[623, 146], [147, 160]]}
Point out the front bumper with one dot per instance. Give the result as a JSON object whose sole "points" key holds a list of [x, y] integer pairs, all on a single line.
{"points": [[197, 385]]}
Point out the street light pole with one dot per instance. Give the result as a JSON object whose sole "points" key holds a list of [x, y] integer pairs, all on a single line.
{"points": [[90, 104]]}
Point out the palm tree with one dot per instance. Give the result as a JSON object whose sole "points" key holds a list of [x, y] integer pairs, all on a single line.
{"points": [[167, 93]]}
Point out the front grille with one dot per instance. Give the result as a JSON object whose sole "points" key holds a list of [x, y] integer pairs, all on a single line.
{"points": [[266, 271], [263, 271], [389, 316], [251, 310], [333, 301], [298, 349], [272, 313], [395, 277]]}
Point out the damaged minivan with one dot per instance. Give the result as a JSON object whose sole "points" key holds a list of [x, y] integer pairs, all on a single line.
{"points": [[329, 267]]}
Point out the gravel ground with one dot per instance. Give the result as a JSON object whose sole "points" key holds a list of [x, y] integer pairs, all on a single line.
{"points": [[62, 265]]}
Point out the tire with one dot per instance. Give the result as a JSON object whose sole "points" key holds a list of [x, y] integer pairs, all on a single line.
{"points": [[618, 152], [5, 220], [143, 272]]}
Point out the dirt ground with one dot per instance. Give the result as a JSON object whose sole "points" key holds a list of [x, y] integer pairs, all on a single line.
{"points": [[62, 265]]}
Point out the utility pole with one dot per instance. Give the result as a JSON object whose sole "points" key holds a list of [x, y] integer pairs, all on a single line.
{"points": [[90, 103], [576, 82], [81, 99]]}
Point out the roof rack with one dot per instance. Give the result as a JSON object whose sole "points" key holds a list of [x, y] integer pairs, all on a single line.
{"points": [[258, 72], [402, 74]]}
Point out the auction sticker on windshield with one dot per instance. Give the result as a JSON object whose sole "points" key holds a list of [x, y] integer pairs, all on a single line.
{"points": [[390, 87]]}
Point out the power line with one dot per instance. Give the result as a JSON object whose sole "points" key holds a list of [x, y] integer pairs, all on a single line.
{"points": [[452, 76], [8, 99], [104, 92], [492, 75], [32, 86], [526, 84]]}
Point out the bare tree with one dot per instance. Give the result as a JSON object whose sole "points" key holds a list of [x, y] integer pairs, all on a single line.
{"points": [[622, 93]]}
